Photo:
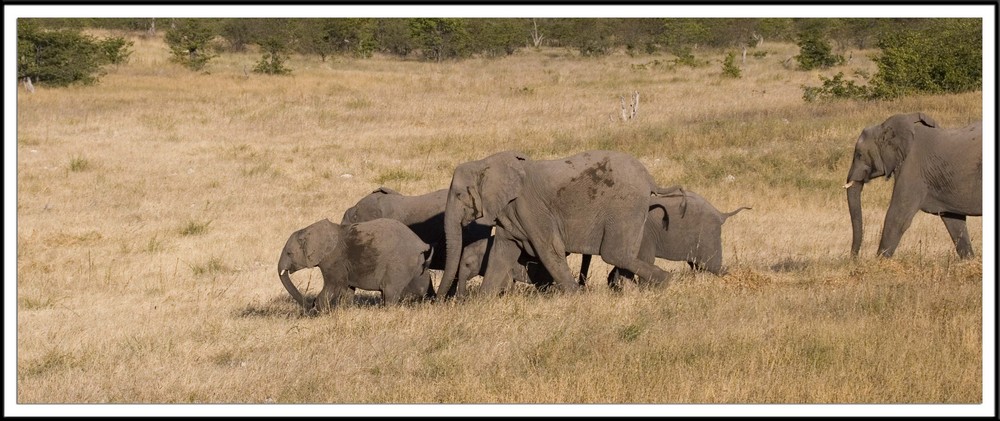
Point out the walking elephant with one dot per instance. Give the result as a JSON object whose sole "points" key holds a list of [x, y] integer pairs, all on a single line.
{"points": [[379, 255], [693, 236], [475, 260], [938, 170], [424, 214], [593, 202]]}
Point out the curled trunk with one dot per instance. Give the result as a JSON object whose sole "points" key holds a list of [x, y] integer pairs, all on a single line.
{"points": [[284, 273], [857, 224]]}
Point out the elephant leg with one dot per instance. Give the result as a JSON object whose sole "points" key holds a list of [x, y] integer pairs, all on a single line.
{"points": [[646, 271], [502, 257], [330, 294], [584, 268], [391, 295], [616, 276], [959, 233], [553, 256], [897, 219]]}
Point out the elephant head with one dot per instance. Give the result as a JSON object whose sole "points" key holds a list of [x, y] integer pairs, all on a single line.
{"points": [[370, 207], [479, 191], [878, 152], [306, 248]]}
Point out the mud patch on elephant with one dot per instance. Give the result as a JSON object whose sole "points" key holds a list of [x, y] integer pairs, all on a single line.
{"points": [[362, 256]]}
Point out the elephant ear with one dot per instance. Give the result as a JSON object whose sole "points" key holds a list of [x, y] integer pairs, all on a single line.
{"points": [[499, 183], [318, 241], [927, 121]]}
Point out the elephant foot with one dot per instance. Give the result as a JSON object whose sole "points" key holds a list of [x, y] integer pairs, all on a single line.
{"points": [[659, 280]]}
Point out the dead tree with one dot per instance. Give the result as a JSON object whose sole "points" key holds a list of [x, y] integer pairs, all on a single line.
{"points": [[536, 37], [28, 86], [630, 112]]}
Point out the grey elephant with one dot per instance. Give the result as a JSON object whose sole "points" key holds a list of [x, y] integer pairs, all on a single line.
{"points": [[475, 261], [593, 202], [379, 255], [693, 235], [938, 170], [424, 214]]}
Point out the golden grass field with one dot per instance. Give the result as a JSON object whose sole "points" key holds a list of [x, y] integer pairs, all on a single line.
{"points": [[151, 209]]}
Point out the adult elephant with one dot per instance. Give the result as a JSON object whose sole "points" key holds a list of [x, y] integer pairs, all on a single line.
{"points": [[938, 170], [593, 202]]}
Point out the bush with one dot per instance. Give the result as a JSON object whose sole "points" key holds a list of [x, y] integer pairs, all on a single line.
{"points": [[814, 51], [189, 41], [65, 56], [945, 58], [115, 50], [729, 67], [836, 88]]}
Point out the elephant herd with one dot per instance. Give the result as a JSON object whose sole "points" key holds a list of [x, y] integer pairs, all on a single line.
{"points": [[509, 218]]}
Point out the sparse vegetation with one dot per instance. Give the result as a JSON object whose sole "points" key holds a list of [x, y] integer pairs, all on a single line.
{"points": [[194, 311]]}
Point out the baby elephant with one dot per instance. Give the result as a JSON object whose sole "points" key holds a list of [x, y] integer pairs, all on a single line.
{"points": [[692, 234], [475, 258], [379, 255]]}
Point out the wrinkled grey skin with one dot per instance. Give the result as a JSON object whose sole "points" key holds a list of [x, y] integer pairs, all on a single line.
{"points": [[380, 255], [474, 262], [693, 236], [591, 203], [424, 214], [937, 170]]}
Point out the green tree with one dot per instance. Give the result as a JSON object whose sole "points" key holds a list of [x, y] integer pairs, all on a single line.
{"points": [[729, 67], [497, 37], [57, 57], [815, 51], [275, 37], [188, 40], [439, 38], [945, 57]]}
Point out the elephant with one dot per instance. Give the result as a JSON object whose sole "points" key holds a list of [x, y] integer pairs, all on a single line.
{"points": [[594, 202], [475, 261], [424, 214], [378, 255], [938, 170], [693, 236]]}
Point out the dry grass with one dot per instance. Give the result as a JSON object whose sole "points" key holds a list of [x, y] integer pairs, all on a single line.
{"points": [[151, 209]]}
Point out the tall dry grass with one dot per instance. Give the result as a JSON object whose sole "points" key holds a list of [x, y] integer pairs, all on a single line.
{"points": [[151, 209]]}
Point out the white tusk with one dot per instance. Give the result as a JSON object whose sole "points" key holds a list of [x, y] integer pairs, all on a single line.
{"points": [[849, 184], [282, 273]]}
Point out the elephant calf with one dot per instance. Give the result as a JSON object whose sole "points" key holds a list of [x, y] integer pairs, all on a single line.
{"points": [[380, 255], [690, 232], [474, 261]]}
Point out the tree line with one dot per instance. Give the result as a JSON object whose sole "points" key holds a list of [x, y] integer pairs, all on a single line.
{"points": [[937, 50]]}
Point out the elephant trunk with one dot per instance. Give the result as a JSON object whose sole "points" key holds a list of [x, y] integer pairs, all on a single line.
{"points": [[857, 224], [453, 246], [284, 273]]}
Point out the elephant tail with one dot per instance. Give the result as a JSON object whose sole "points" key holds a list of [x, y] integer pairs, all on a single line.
{"points": [[726, 215], [673, 191]]}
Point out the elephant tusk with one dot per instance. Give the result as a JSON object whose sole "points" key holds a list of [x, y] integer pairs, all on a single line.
{"points": [[282, 273], [849, 184]]}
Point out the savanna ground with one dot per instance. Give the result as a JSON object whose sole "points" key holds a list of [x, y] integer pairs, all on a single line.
{"points": [[151, 209]]}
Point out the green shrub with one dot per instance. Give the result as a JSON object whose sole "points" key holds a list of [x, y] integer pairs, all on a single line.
{"points": [[815, 51], [115, 50], [729, 67], [835, 88], [56, 57], [189, 45], [945, 58]]}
